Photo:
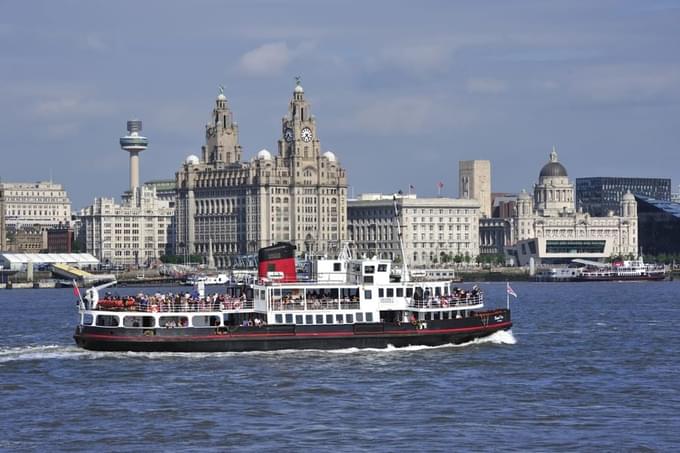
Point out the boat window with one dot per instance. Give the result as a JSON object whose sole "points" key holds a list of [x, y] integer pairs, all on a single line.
{"points": [[173, 321], [298, 319], [338, 319], [205, 321], [368, 279], [350, 319], [409, 292], [337, 267], [428, 316], [139, 321], [436, 316], [88, 319], [437, 291], [369, 270], [390, 292], [289, 318], [329, 319], [381, 292], [360, 317], [369, 317], [319, 319], [278, 319], [368, 294], [400, 292], [382, 267], [107, 321], [309, 319]]}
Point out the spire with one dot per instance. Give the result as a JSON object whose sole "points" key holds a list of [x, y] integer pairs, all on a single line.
{"points": [[553, 154]]}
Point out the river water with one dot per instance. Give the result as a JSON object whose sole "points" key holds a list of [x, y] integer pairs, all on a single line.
{"points": [[587, 367]]}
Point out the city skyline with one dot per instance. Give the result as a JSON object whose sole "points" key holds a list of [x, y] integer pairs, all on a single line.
{"points": [[402, 92]]}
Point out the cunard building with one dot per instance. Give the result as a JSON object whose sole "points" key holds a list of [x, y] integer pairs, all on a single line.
{"points": [[227, 207]]}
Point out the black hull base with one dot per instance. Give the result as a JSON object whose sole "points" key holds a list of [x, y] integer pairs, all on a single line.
{"points": [[272, 338]]}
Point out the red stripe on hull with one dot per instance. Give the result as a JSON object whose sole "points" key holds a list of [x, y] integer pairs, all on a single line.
{"points": [[228, 337]]}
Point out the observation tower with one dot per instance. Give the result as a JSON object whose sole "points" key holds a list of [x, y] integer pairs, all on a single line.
{"points": [[134, 143]]}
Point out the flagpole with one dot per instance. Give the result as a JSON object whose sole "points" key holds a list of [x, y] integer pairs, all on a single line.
{"points": [[507, 295]]}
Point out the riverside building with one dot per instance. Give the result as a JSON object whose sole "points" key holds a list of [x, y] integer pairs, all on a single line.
{"points": [[42, 204], [227, 207], [134, 233], [601, 195], [549, 228], [3, 235], [433, 229]]}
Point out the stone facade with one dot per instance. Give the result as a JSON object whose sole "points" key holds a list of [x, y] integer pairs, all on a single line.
{"points": [[431, 227], [3, 233], [237, 207], [548, 227], [474, 182], [43, 204], [136, 232]]}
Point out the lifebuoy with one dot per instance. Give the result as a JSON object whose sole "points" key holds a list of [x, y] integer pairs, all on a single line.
{"points": [[237, 305], [154, 309], [445, 303]]}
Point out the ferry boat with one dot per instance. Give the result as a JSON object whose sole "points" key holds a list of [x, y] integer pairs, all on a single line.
{"points": [[623, 271], [347, 303]]}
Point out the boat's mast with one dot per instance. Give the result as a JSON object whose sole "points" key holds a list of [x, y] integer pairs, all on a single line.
{"points": [[405, 277]]}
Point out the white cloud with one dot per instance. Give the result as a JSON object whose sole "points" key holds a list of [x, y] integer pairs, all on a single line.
{"points": [[408, 115], [268, 59], [71, 105], [419, 58], [626, 83], [485, 85]]}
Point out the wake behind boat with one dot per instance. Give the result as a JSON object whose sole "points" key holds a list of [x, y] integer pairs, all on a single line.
{"points": [[347, 303]]}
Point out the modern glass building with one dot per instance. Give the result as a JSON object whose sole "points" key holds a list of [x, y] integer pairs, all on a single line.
{"points": [[598, 196], [658, 226]]}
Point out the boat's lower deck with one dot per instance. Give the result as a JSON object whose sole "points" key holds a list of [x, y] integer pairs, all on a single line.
{"points": [[277, 337]]}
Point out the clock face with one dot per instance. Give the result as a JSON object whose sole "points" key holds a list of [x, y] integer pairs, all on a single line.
{"points": [[211, 131], [288, 135], [306, 135]]}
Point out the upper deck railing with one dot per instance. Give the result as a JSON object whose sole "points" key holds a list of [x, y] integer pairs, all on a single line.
{"points": [[448, 302]]}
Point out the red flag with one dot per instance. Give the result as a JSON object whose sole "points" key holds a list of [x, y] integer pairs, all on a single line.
{"points": [[440, 184], [509, 290], [76, 291]]}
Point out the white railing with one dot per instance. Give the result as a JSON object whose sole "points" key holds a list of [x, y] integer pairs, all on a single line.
{"points": [[190, 306], [447, 302]]}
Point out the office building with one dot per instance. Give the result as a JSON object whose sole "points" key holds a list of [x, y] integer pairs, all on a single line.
{"points": [[602, 195], [434, 230]]}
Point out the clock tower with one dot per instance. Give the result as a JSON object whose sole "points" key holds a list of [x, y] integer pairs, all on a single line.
{"points": [[298, 129], [221, 135]]}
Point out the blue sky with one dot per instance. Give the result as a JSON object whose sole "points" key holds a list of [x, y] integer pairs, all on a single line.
{"points": [[401, 90]]}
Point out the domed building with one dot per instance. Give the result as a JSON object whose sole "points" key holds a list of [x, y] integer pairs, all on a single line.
{"points": [[550, 230], [228, 208]]}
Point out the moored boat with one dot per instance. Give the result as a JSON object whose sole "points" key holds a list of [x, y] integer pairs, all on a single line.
{"points": [[627, 270], [347, 303]]}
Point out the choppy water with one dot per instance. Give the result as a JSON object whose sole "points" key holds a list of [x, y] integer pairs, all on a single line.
{"points": [[587, 366]]}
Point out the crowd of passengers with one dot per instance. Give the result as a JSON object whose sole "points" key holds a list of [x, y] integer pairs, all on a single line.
{"points": [[457, 296], [172, 302]]}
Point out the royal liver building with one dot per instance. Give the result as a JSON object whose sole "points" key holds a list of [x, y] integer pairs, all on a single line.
{"points": [[227, 207]]}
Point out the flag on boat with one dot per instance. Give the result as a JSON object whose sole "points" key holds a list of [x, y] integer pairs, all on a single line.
{"points": [[440, 185], [509, 290], [411, 187], [76, 291]]}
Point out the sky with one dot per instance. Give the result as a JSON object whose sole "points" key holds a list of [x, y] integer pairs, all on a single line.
{"points": [[401, 90]]}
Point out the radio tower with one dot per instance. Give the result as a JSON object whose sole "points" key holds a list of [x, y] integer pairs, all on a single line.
{"points": [[134, 143]]}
